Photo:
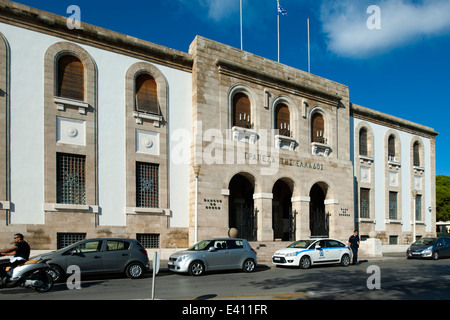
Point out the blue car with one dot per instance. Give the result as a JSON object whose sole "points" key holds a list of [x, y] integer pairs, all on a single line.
{"points": [[431, 248]]}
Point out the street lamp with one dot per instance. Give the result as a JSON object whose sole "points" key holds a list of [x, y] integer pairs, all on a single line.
{"points": [[196, 168], [414, 194]]}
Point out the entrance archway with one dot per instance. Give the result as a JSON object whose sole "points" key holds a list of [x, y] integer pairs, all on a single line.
{"points": [[240, 207], [318, 218], [283, 222]]}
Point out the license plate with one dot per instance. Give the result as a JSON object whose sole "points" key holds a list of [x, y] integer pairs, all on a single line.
{"points": [[277, 259], [170, 263]]}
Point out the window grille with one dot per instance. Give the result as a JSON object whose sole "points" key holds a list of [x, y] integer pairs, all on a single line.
{"points": [[66, 239], [71, 176], [418, 208], [364, 203], [393, 205], [148, 240], [147, 185]]}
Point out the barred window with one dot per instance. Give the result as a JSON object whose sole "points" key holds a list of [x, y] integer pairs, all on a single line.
{"points": [[148, 240], [147, 185], [364, 206], [418, 207], [66, 239], [71, 179], [393, 205]]}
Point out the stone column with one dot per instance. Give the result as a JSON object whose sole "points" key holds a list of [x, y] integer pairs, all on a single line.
{"points": [[301, 205], [263, 204]]}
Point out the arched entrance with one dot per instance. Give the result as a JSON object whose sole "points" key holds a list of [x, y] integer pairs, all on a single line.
{"points": [[283, 219], [318, 218], [240, 207]]}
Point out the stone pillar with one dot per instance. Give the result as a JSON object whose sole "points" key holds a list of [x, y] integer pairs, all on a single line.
{"points": [[301, 205], [263, 204]]}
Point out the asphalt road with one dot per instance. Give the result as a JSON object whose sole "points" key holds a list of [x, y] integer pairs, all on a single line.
{"points": [[389, 279]]}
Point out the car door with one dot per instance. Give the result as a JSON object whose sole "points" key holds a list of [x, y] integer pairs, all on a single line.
{"points": [[446, 247], [237, 252], [319, 254], [217, 255], [334, 250], [87, 256], [116, 255]]}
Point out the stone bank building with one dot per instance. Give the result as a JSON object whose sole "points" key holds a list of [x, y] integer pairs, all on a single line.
{"points": [[103, 134]]}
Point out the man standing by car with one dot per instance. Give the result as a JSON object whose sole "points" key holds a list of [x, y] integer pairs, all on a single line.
{"points": [[353, 243], [20, 251]]}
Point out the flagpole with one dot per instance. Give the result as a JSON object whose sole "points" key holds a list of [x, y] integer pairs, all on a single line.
{"points": [[242, 46], [309, 53], [278, 30]]}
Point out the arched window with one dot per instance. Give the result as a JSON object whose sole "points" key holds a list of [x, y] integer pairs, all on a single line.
{"points": [[70, 78], [146, 94], [317, 129], [391, 148], [282, 120], [363, 150], [416, 154], [241, 111]]}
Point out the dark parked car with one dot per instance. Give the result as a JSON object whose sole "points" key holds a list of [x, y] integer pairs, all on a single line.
{"points": [[433, 248], [100, 255]]}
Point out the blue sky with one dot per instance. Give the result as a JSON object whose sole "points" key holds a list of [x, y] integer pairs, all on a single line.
{"points": [[402, 68]]}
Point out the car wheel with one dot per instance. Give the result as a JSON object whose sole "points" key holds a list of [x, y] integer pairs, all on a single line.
{"points": [[56, 272], [196, 268], [435, 255], [305, 262], [249, 265], [345, 260], [134, 270]]}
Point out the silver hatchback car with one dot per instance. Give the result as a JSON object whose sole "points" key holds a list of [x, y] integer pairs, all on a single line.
{"points": [[214, 254], [100, 255]]}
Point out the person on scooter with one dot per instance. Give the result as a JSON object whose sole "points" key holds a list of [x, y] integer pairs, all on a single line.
{"points": [[20, 252]]}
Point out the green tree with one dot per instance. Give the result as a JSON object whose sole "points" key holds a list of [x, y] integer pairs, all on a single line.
{"points": [[442, 198]]}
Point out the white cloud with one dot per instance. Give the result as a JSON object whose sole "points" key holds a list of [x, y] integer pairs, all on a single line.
{"points": [[216, 10], [402, 22]]}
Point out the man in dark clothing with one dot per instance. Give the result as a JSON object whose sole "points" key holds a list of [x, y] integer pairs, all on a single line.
{"points": [[353, 243], [20, 252]]}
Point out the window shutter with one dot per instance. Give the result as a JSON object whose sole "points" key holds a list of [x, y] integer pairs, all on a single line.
{"points": [[282, 118], [416, 154], [146, 94], [241, 111], [318, 129], [391, 148], [70, 78], [363, 142]]}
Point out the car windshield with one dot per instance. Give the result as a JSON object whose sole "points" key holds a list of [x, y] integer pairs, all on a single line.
{"points": [[202, 245], [301, 244], [424, 241]]}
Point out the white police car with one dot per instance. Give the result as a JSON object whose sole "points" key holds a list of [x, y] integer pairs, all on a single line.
{"points": [[308, 252]]}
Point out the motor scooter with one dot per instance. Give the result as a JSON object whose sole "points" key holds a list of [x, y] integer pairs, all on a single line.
{"points": [[32, 274]]}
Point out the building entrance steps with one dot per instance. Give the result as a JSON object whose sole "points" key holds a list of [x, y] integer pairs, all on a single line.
{"points": [[265, 249]]}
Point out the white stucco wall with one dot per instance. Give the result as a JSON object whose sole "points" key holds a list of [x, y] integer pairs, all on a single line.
{"points": [[379, 136], [27, 129]]}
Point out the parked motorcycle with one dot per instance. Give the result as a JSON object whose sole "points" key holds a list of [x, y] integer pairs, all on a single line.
{"points": [[32, 274]]}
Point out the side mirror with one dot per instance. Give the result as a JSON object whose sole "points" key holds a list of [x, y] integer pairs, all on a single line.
{"points": [[318, 247], [74, 251], [211, 249]]}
